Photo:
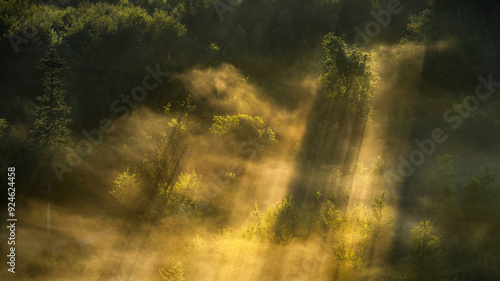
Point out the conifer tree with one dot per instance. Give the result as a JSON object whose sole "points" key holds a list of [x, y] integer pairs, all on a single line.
{"points": [[50, 131]]}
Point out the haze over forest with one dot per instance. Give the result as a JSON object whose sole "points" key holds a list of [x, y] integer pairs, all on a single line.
{"points": [[265, 140]]}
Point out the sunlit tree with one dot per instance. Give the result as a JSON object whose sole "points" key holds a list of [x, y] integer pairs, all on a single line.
{"points": [[125, 187], [347, 86], [348, 78], [425, 249]]}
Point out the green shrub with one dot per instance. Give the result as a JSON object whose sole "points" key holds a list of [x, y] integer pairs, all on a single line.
{"points": [[241, 127], [185, 194], [281, 221], [330, 217], [277, 225]]}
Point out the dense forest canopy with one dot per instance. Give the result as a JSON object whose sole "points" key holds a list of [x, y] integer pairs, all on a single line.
{"points": [[250, 139]]}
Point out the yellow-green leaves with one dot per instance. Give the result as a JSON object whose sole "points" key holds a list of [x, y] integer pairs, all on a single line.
{"points": [[241, 127], [125, 187]]}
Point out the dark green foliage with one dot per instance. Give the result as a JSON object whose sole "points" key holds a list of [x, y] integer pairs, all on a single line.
{"points": [[50, 131], [240, 38], [420, 25], [7, 143], [284, 33], [443, 181], [5, 129], [461, 26], [482, 195], [258, 37], [483, 128], [214, 54], [100, 49]]}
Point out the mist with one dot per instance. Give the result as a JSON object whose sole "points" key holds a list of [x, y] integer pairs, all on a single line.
{"points": [[276, 148]]}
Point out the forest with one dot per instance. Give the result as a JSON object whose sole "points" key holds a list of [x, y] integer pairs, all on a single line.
{"points": [[267, 140]]}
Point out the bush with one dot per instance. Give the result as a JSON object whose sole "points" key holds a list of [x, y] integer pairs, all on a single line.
{"points": [[183, 196], [331, 218], [281, 221], [277, 225], [241, 127]]}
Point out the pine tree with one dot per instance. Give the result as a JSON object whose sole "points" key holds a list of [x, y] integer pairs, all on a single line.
{"points": [[284, 33], [258, 37], [50, 131], [240, 37]]}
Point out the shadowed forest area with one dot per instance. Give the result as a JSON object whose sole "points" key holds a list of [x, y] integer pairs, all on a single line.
{"points": [[265, 140]]}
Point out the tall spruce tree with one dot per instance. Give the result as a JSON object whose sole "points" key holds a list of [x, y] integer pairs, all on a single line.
{"points": [[50, 132]]}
